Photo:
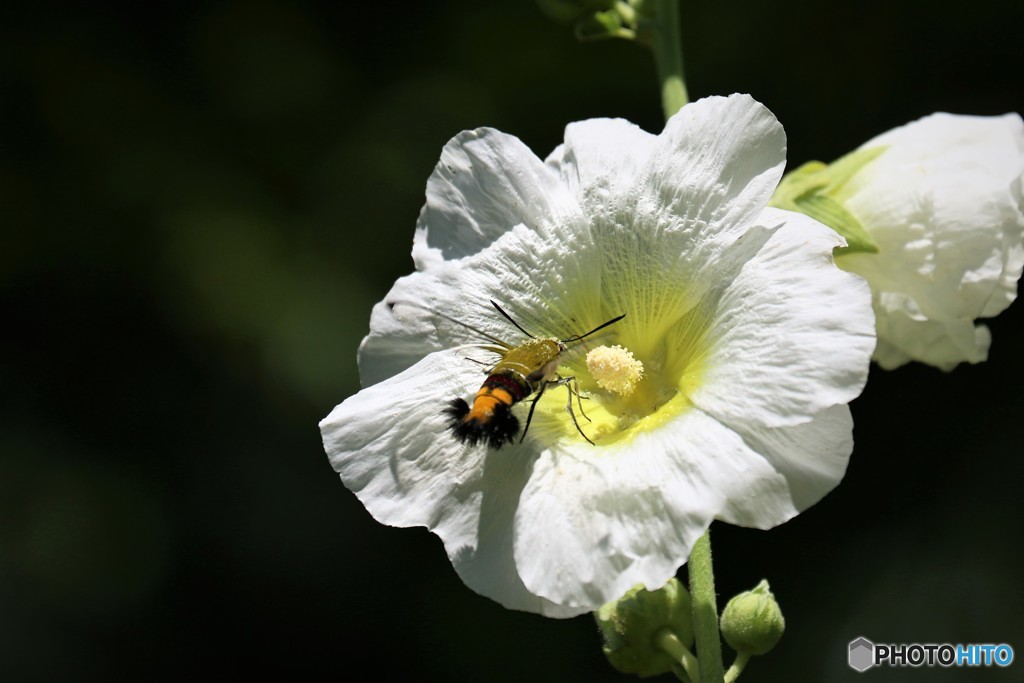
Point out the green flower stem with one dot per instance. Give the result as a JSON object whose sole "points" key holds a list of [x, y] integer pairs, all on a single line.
{"points": [[705, 611], [670, 643], [668, 56], [737, 667]]}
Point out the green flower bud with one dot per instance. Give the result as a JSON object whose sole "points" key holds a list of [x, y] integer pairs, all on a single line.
{"points": [[632, 624], [752, 621]]}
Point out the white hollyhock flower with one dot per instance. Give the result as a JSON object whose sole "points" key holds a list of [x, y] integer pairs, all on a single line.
{"points": [[751, 343], [943, 203]]}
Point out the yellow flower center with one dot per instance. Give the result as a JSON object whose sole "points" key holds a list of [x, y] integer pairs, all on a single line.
{"points": [[622, 396]]}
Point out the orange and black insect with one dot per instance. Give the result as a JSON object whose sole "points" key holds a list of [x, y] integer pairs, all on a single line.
{"points": [[524, 370]]}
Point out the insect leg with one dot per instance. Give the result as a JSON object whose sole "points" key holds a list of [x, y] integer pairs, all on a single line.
{"points": [[570, 383], [533, 405], [572, 386], [575, 389]]}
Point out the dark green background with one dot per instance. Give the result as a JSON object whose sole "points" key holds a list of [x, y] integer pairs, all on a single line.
{"points": [[199, 205]]}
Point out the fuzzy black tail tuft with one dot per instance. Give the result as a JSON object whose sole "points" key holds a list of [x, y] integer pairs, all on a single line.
{"points": [[496, 430]]}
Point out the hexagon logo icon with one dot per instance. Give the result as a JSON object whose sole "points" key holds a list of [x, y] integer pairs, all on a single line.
{"points": [[862, 654]]}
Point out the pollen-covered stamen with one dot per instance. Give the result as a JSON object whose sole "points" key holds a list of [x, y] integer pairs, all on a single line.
{"points": [[615, 369]]}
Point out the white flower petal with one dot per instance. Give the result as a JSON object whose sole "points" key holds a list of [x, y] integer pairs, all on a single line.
{"points": [[790, 334], [590, 527], [485, 183], [601, 160], [812, 457], [888, 356], [483, 555], [620, 223], [943, 344], [678, 198], [392, 447], [414, 319], [717, 164], [657, 218], [400, 335]]}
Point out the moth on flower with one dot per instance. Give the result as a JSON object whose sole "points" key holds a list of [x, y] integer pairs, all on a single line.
{"points": [[522, 371], [722, 393]]}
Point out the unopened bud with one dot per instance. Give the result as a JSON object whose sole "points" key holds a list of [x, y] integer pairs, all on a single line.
{"points": [[752, 621]]}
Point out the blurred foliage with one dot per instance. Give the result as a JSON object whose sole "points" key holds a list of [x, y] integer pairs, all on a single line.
{"points": [[201, 201]]}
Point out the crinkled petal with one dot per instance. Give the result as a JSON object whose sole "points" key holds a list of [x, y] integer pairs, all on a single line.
{"points": [[683, 194], [392, 448], [601, 161], [414, 319], [660, 215], [943, 203], [717, 164], [485, 183], [486, 562], [812, 457], [589, 526], [943, 344], [400, 334], [1005, 291], [790, 334]]}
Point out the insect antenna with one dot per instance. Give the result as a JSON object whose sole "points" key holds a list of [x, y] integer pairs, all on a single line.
{"points": [[487, 365], [509, 318], [505, 345], [578, 337]]}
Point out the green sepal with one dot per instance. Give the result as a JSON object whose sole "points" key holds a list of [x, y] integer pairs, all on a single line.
{"points": [[824, 209], [816, 190], [631, 623]]}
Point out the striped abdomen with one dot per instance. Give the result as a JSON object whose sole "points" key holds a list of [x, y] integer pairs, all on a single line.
{"points": [[520, 372]]}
